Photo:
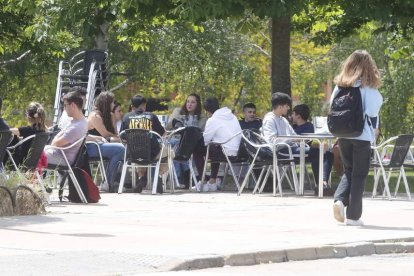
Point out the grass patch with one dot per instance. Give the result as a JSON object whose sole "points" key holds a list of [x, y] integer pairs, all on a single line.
{"points": [[393, 181]]}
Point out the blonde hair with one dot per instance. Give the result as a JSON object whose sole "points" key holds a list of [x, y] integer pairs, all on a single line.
{"points": [[37, 115], [359, 66]]}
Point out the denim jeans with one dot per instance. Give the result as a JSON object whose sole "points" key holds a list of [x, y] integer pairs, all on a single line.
{"points": [[355, 155], [114, 152], [313, 157]]}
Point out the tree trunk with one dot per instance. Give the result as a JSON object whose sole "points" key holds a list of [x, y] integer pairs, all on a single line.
{"points": [[280, 76], [101, 38]]}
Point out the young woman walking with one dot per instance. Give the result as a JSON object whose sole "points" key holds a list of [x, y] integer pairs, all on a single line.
{"points": [[358, 70]]}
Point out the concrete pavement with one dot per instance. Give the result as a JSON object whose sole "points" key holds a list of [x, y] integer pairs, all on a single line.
{"points": [[133, 233]]}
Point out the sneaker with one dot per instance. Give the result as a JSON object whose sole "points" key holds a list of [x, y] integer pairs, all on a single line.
{"points": [[197, 187], [211, 187], [352, 222], [48, 189], [104, 187], [338, 209], [141, 183]]}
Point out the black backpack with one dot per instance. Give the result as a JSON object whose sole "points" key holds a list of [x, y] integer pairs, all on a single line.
{"points": [[346, 116], [190, 138], [265, 153]]}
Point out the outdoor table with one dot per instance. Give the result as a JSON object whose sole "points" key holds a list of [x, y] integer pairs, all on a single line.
{"points": [[321, 139]]}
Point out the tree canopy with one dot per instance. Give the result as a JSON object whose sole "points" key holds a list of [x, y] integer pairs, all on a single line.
{"points": [[173, 47]]}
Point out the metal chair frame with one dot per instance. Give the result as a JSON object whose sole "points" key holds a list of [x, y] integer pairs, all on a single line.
{"points": [[101, 164], [230, 160], [270, 166], [130, 164], [399, 151], [68, 167], [26, 166]]}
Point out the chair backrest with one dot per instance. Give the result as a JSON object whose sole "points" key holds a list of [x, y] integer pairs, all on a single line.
{"points": [[142, 146], [190, 138], [38, 143], [265, 153], [91, 56], [5, 138], [401, 147]]}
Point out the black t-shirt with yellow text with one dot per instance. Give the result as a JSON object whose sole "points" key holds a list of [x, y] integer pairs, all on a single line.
{"points": [[143, 120]]}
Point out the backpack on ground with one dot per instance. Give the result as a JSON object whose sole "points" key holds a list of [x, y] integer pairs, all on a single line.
{"points": [[346, 115], [82, 173], [87, 185]]}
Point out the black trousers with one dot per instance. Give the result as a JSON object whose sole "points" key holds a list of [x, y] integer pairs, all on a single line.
{"points": [[355, 155]]}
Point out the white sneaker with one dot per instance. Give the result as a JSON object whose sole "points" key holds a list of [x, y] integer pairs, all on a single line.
{"points": [[104, 187], [212, 187], [352, 222], [338, 210], [197, 187]]}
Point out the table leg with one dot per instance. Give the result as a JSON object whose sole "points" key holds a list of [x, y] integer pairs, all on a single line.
{"points": [[320, 180], [301, 167]]}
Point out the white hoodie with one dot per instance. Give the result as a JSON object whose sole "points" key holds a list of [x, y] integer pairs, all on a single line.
{"points": [[220, 127]]}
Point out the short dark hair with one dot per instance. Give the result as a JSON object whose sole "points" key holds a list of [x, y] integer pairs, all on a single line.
{"points": [[137, 100], [303, 110], [279, 98], [74, 97], [81, 90], [249, 105], [211, 104]]}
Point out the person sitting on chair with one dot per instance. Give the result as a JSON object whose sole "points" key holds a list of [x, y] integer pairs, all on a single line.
{"points": [[275, 124], [189, 114], [35, 115], [117, 116], [250, 121], [139, 118], [3, 124], [220, 127], [76, 129], [64, 119], [102, 130], [300, 117]]}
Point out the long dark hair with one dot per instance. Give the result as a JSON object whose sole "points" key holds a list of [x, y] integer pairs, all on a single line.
{"points": [[197, 111], [103, 106]]}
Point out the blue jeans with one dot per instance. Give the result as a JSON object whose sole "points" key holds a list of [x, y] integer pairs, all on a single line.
{"points": [[313, 157], [114, 152]]}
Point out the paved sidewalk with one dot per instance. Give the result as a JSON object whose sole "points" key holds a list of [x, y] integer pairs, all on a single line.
{"points": [[132, 233]]}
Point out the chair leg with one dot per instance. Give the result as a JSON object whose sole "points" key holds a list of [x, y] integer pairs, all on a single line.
{"points": [[77, 186], [203, 178], [259, 180], [268, 171], [376, 180], [121, 182], [42, 187], [193, 177], [407, 188], [236, 181], [295, 178], [386, 187], [155, 182], [246, 178]]}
